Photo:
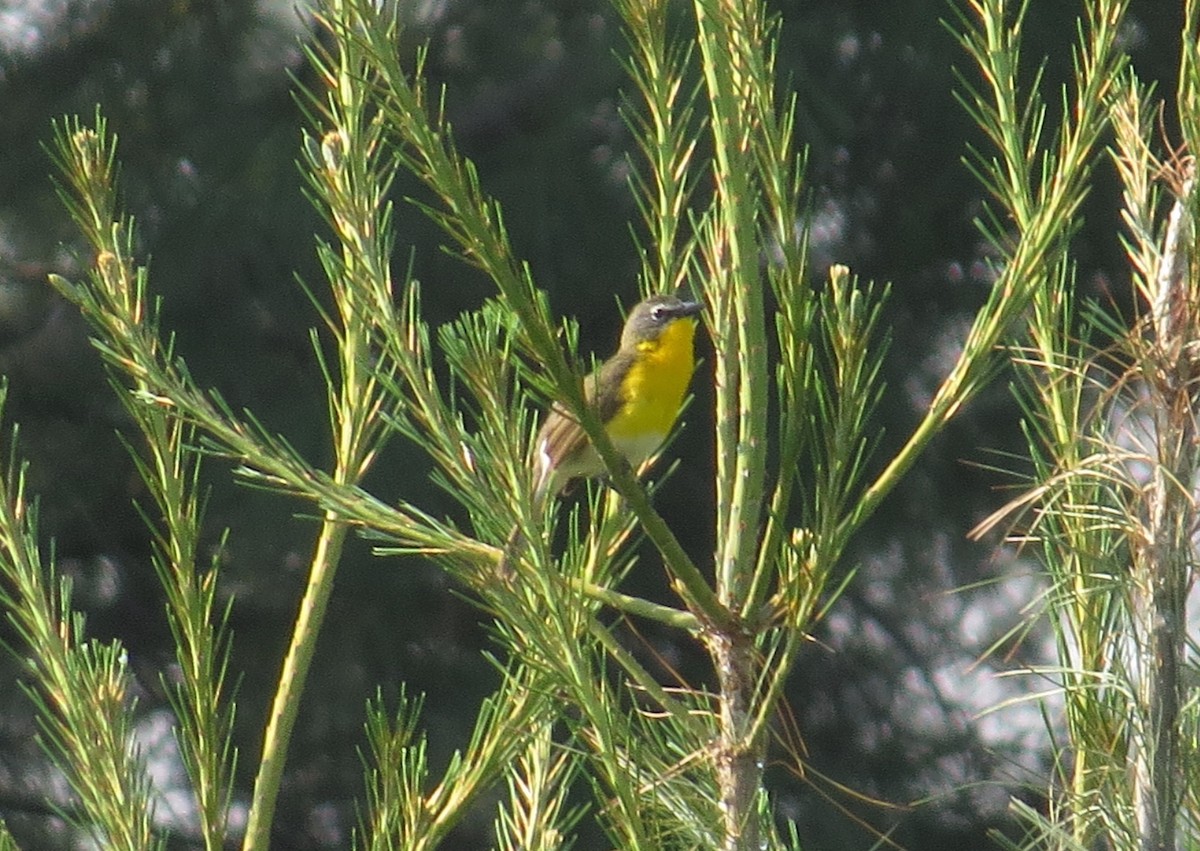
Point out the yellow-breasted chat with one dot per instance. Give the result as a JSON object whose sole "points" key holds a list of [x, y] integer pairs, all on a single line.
{"points": [[636, 394]]}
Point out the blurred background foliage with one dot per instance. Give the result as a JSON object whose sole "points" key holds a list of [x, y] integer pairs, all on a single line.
{"points": [[887, 700]]}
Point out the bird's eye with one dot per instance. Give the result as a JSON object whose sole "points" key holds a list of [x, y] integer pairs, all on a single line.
{"points": [[658, 313]]}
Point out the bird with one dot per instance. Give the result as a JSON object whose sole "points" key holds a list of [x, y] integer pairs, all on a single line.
{"points": [[636, 394]]}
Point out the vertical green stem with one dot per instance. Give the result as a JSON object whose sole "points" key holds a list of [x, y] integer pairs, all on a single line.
{"points": [[348, 178], [292, 678], [727, 51]]}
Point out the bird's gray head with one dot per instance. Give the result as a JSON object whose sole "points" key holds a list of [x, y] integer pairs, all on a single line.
{"points": [[650, 317]]}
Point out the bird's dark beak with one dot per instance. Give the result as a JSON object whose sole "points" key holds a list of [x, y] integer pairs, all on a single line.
{"points": [[689, 308]]}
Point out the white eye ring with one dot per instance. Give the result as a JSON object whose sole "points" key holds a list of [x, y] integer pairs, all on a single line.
{"points": [[658, 313]]}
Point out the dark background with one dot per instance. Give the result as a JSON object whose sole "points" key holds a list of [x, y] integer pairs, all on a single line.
{"points": [[887, 700]]}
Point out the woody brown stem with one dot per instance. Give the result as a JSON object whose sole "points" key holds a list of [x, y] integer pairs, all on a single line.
{"points": [[739, 755], [1162, 564]]}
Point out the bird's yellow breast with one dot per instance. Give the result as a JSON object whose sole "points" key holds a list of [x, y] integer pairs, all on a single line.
{"points": [[653, 389]]}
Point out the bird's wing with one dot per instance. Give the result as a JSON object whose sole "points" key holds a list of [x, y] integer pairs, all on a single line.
{"points": [[561, 438]]}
